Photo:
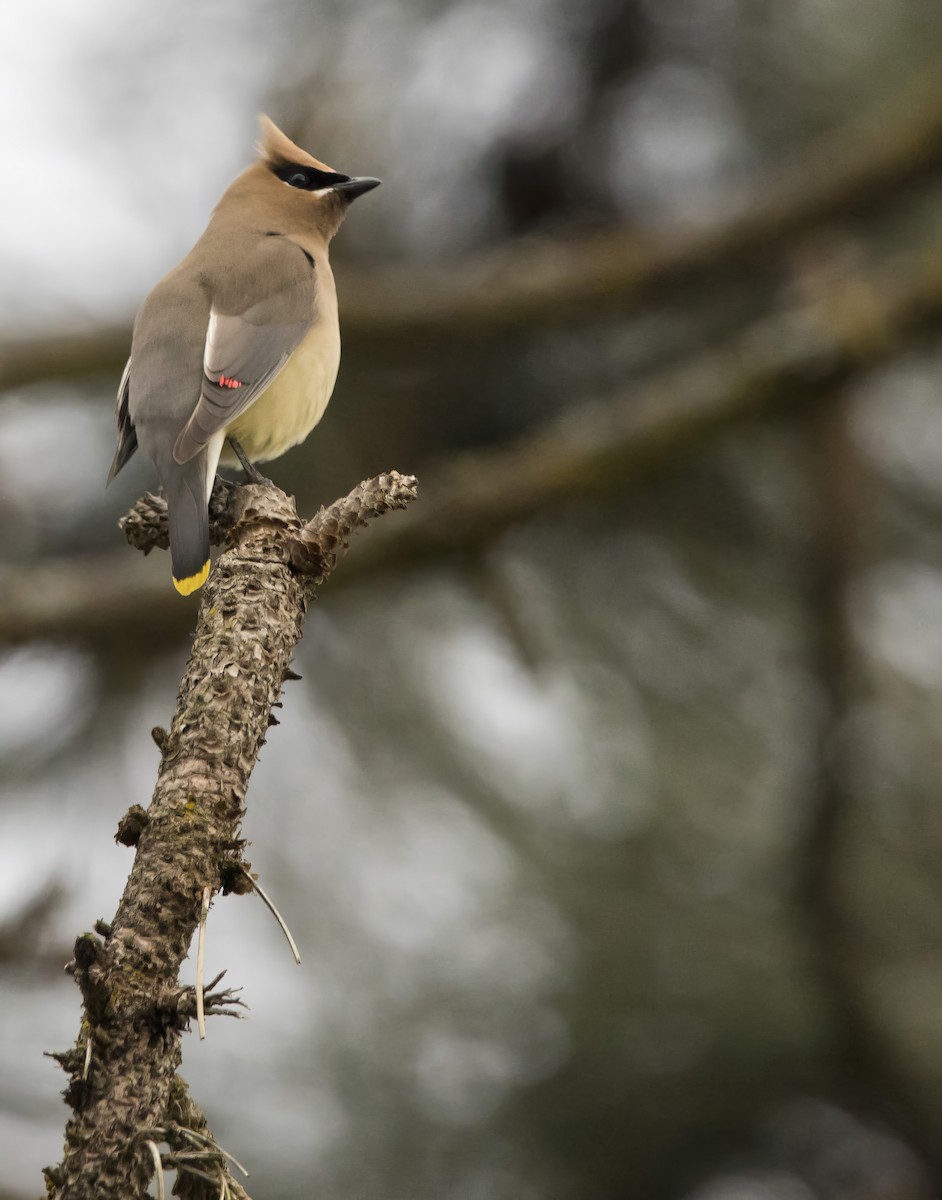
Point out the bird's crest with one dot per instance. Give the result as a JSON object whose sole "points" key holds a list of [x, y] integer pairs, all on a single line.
{"points": [[276, 147]]}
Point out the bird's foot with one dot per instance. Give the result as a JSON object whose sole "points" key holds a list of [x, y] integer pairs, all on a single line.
{"points": [[252, 474]]}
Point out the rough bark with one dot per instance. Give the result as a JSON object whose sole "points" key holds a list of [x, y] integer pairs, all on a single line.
{"points": [[125, 1090]]}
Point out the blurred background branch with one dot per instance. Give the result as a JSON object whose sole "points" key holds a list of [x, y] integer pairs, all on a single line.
{"points": [[845, 175], [776, 365]]}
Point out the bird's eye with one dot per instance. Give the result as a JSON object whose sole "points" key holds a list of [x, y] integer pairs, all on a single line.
{"points": [[297, 179]]}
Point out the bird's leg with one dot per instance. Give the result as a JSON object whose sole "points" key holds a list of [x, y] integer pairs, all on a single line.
{"points": [[252, 475]]}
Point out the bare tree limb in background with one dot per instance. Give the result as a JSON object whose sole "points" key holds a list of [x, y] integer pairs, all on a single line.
{"points": [[865, 1060], [539, 284], [784, 363], [124, 1089]]}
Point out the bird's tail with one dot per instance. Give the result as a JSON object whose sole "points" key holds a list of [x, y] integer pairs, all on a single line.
{"points": [[188, 514]]}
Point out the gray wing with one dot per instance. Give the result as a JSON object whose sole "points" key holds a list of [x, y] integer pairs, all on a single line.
{"points": [[246, 349]]}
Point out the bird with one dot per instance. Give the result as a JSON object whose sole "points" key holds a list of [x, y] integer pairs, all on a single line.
{"points": [[234, 353]]}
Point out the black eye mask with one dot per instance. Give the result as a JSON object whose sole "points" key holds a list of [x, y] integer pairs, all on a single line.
{"points": [[309, 179]]}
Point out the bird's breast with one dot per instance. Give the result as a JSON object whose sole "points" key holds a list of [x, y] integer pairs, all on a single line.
{"points": [[287, 411]]}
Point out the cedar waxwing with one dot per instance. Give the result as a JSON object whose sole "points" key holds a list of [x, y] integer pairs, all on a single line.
{"points": [[238, 347]]}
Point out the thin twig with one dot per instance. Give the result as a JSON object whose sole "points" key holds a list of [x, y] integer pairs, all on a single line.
{"points": [[158, 1168], [200, 956], [206, 1140], [216, 978], [88, 1056], [275, 913]]}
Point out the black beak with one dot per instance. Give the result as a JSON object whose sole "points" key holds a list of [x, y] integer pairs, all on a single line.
{"points": [[352, 188]]}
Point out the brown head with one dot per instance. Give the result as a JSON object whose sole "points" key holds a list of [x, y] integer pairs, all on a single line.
{"points": [[293, 187]]}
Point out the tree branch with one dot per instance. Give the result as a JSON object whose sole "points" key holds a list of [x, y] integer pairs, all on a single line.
{"points": [[864, 1056], [250, 620]]}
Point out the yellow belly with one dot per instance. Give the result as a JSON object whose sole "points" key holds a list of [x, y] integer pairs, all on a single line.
{"points": [[295, 400]]}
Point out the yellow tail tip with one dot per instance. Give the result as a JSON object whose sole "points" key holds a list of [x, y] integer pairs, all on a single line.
{"points": [[192, 582]]}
